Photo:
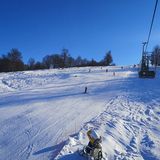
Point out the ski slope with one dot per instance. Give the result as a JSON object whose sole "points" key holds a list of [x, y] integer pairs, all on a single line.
{"points": [[45, 114]]}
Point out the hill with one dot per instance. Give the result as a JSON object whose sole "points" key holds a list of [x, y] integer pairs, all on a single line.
{"points": [[45, 114]]}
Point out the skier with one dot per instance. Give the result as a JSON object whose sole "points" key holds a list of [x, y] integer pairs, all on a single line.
{"points": [[85, 91]]}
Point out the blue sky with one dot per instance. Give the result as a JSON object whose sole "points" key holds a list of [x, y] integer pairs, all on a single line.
{"points": [[88, 28]]}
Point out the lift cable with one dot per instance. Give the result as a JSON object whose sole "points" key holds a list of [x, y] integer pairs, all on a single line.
{"points": [[151, 24]]}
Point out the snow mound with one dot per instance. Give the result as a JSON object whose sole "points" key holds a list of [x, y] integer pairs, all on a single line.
{"points": [[126, 133]]}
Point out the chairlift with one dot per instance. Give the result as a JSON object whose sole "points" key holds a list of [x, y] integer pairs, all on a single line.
{"points": [[145, 69]]}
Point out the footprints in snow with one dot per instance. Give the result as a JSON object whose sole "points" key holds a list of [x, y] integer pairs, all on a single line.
{"points": [[124, 126]]}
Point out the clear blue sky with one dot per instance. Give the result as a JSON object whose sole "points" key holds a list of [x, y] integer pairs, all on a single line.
{"points": [[88, 28]]}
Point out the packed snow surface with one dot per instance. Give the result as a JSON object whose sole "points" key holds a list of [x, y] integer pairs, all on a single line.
{"points": [[44, 115]]}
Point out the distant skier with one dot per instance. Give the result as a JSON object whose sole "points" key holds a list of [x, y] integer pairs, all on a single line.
{"points": [[85, 91]]}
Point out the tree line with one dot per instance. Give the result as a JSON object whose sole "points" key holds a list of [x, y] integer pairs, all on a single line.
{"points": [[155, 56], [13, 61]]}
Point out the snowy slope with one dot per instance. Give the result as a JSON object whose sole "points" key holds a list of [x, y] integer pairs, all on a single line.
{"points": [[45, 114]]}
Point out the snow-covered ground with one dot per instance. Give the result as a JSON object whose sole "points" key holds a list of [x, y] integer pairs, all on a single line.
{"points": [[45, 114]]}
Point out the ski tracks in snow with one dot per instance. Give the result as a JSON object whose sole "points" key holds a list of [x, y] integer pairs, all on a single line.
{"points": [[126, 128], [26, 153]]}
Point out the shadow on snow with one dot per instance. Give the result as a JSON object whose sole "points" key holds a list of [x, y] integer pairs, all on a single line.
{"points": [[54, 149]]}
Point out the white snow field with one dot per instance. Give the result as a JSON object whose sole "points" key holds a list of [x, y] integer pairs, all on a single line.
{"points": [[44, 115]]}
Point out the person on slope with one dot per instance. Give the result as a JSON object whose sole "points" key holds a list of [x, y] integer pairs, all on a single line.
{"points": [[94, 140]]}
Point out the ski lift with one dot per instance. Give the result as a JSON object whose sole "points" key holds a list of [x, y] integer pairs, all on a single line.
{"points": [[145, 69]]}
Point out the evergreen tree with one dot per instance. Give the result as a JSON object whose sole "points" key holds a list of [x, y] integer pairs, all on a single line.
{"points": [[65, 55], [108, 58], [15, 60]]}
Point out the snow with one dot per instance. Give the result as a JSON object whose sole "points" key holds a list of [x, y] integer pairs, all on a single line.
{"points": [[46, 115]]}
